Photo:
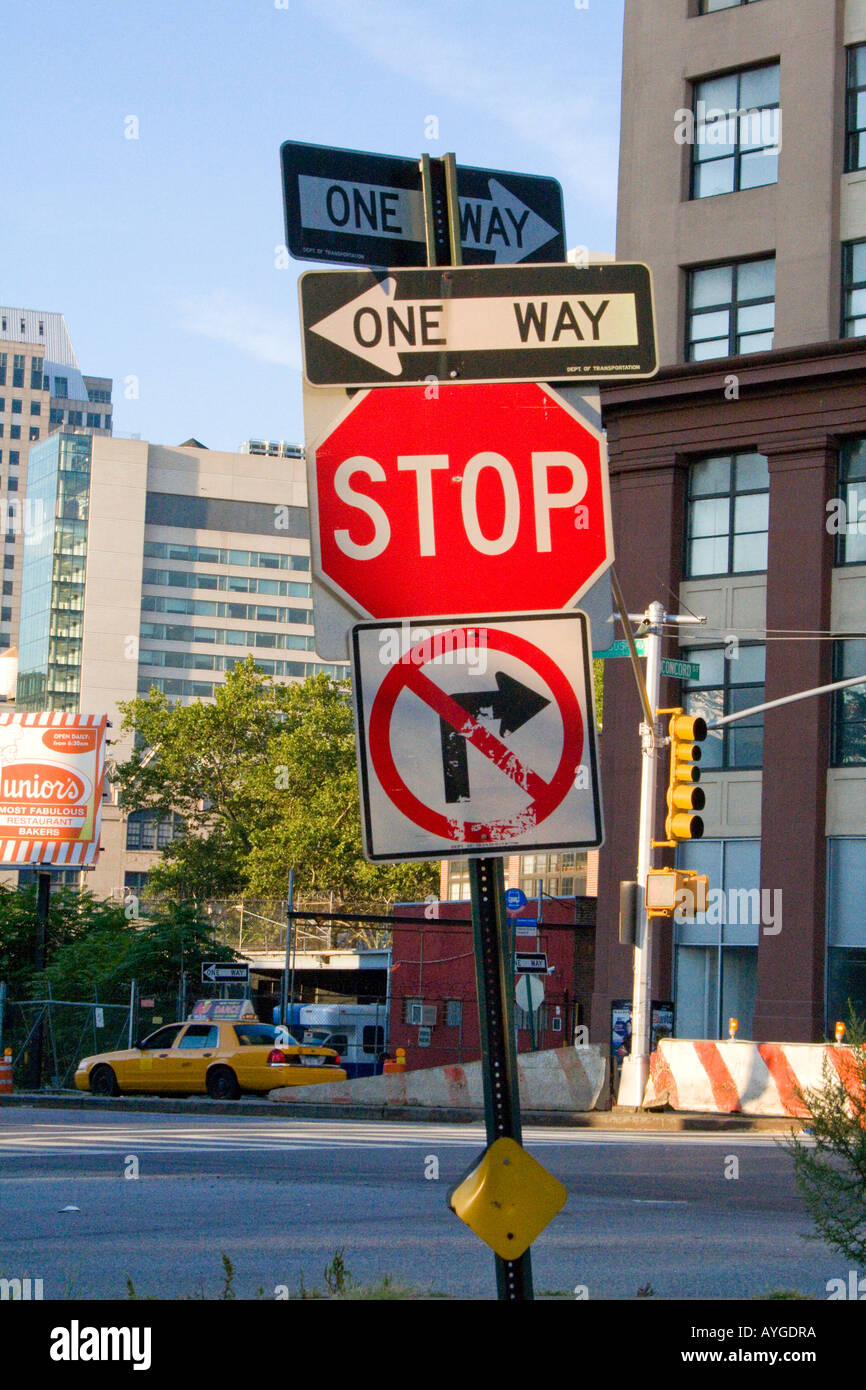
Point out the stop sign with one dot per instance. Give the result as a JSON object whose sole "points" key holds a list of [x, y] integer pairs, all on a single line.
{"points": [[460, 499]]}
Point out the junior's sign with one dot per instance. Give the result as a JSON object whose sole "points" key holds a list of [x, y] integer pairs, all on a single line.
{"points": [[51, 774]]}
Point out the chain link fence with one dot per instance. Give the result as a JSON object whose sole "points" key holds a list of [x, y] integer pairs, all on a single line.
{"points": [[62, 1031]]}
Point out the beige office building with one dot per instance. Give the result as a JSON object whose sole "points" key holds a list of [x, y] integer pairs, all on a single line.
{"points": [[160, 567]]}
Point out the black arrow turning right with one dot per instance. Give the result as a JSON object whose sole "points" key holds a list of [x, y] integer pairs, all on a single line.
{"points": [[511, 703]]}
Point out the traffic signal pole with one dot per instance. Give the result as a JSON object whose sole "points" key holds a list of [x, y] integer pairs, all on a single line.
{"points": [[635, 1066]]}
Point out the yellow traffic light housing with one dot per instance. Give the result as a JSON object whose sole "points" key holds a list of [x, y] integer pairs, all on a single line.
{"points": [[676, 891], [684, 797]]}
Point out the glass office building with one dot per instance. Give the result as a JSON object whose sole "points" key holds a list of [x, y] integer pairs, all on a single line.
{"points": [[52, 583]]}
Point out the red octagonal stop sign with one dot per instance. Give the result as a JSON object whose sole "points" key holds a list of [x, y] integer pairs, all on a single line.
{"points": [[460, 499]]}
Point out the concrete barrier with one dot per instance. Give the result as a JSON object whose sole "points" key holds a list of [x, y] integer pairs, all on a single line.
{"points": [[564, 1078], [746, 1078]]}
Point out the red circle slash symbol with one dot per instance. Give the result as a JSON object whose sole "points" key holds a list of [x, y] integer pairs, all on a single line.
{"points": [[544, 796]]}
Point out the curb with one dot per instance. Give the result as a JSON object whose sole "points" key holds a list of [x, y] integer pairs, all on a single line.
{"points": [[616, 1119]]}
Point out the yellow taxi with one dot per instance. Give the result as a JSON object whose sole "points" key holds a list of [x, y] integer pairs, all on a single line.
{"points": [[205, 1056]]}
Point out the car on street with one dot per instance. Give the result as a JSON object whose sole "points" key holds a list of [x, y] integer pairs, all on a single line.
{"points": [[218, 1059]]}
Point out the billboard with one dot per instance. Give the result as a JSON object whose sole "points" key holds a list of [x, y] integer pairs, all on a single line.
{"points": [[51, 774]]}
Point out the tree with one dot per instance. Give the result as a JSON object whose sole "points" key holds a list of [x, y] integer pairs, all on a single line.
{"points": [[831, 1175], [73, 918], [153, 950], [265, 780]]}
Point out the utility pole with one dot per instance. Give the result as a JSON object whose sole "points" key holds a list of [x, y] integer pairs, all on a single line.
{"points": [[43, 898]]}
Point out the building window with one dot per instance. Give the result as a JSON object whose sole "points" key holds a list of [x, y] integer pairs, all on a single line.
{"points": [[150, 830], [731, 309], [61, 387], [3, 365], [853, 289], [35, 407], [8, 562], [36, 365], [8, 587], [136, 881], [729, 682], [849, 707], [736, 132], [18, 369], [34, 433], [17, 407], [855, 109], [12, 484], [717, 955], [727, 515], [14, 431], [14, 456], [94, 422], [710, 6], [55, 416], [75, 417], [847, 513]]}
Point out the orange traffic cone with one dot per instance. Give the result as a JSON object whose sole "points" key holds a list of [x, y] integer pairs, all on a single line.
{"points": [[399, 1063], [6, 1073]]}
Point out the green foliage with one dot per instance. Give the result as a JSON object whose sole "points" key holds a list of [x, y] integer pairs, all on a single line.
{"points": [[598, 690], [155, 949], [73, 917], [831, 1174], [337, 1277], [265, 780]]}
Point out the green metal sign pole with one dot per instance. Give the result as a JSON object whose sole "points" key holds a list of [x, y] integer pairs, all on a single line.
{"points": [[496, 1025], [490, 927]]}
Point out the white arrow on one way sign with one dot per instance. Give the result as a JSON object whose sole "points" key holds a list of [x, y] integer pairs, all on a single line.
{"points": [[502, 223]]}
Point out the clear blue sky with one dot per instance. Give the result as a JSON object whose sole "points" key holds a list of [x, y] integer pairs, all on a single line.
{"points": [[160, 250]]}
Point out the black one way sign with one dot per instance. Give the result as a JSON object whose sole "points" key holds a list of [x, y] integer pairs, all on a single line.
{"points": [[351, 206], [494, 323]]}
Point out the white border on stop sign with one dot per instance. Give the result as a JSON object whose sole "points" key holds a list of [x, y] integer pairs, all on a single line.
{"points": [[324, 407]]}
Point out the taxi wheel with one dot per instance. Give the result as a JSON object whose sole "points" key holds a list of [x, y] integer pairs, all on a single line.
{"points": [[103, 1082], [222, 1084]]}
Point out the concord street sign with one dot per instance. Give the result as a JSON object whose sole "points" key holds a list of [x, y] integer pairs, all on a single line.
{"points": [[348, 205], [475, 499], [507, 323]]}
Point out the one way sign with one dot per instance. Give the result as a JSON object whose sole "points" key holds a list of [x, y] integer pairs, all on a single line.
{"points": [[215, 973], [351, 206], [494, 323]]}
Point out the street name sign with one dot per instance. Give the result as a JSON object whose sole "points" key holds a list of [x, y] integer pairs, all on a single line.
{"points": [[216, 972], [493, 323], [350, 205], [475, 499], [681, 670], [530, 963], [619, 648], [477, 738]]}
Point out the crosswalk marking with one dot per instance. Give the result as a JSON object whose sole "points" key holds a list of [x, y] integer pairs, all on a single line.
{"points": [[275, 1136]]}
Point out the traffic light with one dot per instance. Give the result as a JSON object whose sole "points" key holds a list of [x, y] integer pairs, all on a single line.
{"points": [[684, 796]]}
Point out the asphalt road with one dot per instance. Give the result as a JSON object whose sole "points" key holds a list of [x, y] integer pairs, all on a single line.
{"points": [[281, 1196]]}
